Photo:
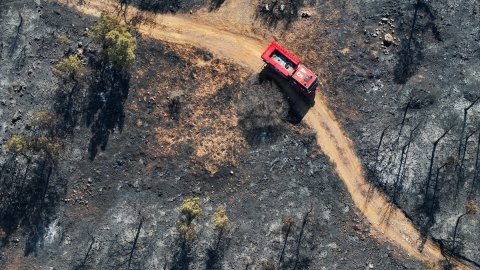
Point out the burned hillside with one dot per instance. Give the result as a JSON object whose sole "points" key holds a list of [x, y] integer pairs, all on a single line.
{"points": [[182, 157]]}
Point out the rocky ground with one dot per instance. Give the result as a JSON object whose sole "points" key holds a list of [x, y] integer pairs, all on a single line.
{"points": [[421, 55]]}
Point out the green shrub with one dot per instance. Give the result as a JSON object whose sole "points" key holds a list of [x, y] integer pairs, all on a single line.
{"points": [[191, 208], [186, 230], [49, 145], [118, 44], [268, 265], [69, 68], [471, 208], [62, 39], [220, 218], [17, 144], [43, 119]]}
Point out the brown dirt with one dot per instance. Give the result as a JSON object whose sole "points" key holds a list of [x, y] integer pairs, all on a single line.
{"points": [[390, 223]]}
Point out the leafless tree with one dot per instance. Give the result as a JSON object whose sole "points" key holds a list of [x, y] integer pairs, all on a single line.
{"points": [[470, 209], [403, 160], [448, 123], [135, 241], [288, 224], [300, 237], [464, 125]]}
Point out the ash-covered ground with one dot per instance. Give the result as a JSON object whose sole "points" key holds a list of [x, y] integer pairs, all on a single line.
{"points": [[110, 199], [404, 74]]}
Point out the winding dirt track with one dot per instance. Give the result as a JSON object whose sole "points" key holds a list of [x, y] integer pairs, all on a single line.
{"points": [[389, 222]]}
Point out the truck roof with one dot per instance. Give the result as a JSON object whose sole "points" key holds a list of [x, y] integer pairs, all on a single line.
{"points": [[280, 58], [305, 77]]}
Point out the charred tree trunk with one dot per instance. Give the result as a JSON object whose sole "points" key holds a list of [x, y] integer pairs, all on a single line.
{"points": [[397, 180], [475, 174], [24, 178], [302, 231], [435, 188], [135, 241], [382, 135], [403, 161], [84, 262], [284, 243], [461, 168], [464, 125], [456, 230], [432, 159], [402, 124]]}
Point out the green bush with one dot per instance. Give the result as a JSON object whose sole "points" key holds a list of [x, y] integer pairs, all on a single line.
{"points": [[191, 208], [220, 218], [17, 144], [187, 231], [43, 120], [69, 68], [62, 39], [118, 44], [51, 146]]}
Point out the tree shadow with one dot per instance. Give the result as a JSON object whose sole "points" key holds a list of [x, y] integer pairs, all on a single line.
{"points": [[105, 110], [68, 108], [182, 258], [299, 103], [216, 252], [215, 4], [411, 49], [28, 200]]}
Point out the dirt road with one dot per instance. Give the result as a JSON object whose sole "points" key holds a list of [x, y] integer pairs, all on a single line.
{"points": [[245, 48]]}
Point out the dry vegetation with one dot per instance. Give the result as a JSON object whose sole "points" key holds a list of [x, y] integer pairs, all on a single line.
{"points": [[200, 114]]}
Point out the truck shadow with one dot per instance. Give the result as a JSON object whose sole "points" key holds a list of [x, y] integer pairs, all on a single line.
{"points": [[299, 103]]}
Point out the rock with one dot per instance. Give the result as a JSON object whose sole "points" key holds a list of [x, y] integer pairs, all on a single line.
{"points": [[387, 39], [17, 116], [207, 57], [305, 15], [384, 20]]}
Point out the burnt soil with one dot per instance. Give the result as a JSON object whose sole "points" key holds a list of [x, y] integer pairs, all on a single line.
{"points": [[171, 134]]}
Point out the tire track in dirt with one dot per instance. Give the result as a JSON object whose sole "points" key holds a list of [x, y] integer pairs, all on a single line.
{"points": [[390, 223]]}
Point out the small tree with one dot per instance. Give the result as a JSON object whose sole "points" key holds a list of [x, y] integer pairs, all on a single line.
{"points": [[51, 146], [117, 42], [288, 223], [43, 120], [220, 219], [268, 265], [470, 209], [120, 48], [190, 209], [17, 144], [70, 68]]}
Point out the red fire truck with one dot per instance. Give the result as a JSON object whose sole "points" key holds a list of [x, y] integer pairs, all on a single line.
{"points": [[289, 67]]}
